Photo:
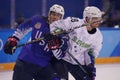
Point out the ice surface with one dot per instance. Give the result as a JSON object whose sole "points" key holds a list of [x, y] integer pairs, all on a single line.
{"points": [[104, 72]]}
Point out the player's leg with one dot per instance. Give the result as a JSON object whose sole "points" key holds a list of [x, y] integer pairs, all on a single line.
{"points": [[20, 73], [60, 68], [76, 71], [48, 73]]}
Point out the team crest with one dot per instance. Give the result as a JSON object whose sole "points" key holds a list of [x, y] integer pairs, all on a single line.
{"points": [[38, 25]]}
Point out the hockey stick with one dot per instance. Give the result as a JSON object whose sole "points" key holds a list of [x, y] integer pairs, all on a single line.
{"points": [[78, 63], [70, 30], [58, 33], [108, 10], [42, 38]]}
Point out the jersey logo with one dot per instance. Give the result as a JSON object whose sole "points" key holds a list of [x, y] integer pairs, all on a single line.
{"points": [[38, 25], [80, 43]]}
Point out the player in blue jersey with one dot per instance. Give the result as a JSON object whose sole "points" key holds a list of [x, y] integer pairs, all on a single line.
{"points": [[34, 60]]}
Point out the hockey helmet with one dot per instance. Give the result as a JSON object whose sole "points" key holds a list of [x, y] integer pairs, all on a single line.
{"points": [[91, 12], [58, 9]]}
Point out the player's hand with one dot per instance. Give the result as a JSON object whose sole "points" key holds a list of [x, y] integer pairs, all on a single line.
{"points": [[11, 42], [53, 41], [92, 71], [89, 78]]}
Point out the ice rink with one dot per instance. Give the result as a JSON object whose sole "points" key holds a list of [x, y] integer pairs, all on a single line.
{"points": [[104, 72]]}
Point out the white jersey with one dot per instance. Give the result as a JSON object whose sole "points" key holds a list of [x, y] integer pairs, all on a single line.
{"points": [[80, 40]]}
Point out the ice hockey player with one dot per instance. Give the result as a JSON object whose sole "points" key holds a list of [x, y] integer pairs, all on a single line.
{"points": [[34, 60], [85, 42]]}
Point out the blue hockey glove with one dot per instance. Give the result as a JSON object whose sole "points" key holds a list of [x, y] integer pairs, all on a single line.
{"points": [[11, 42], [88, 78], [53, 41]]}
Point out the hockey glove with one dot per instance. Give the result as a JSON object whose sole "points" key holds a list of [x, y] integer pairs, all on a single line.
{"points": [[91, 70], [53, 41], [11, 42], [88, 78]]}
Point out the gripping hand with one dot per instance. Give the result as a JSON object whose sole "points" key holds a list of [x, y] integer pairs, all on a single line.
{"points": [[92, 71], [53, 41], [11, 42]]}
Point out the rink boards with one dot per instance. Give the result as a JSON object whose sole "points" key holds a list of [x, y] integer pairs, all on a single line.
{"points": [[110, 52], [9, 66]]}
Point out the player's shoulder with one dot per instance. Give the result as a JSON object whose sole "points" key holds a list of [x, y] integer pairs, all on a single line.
{"points": [[99, 33], [73, 19]]}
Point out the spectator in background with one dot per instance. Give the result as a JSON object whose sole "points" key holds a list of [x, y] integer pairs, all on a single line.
{"points": [[20, 19], [116, 14], [113, 17]]}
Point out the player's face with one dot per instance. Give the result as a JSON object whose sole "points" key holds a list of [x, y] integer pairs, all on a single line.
{"points": [[53, 16], [96, 22]]}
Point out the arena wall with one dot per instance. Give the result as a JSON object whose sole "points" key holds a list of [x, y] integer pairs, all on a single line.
{"points": [[110, 52]]}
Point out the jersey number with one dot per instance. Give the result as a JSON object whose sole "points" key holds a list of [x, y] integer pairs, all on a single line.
{"points": [[74, 19]]}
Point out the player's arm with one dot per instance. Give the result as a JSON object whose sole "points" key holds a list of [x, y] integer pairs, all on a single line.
{"points": [[59, 25], [25, 27], [92, 54], [60, 52], [70, 23], [58, 44], [97, 46], [64, 24], [19, 33]]}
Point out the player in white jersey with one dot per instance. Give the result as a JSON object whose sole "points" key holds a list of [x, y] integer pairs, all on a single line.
{"points": [[85, 42]]}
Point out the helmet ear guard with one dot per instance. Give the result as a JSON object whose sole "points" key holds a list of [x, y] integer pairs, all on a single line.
{"points": [[58, 9]]}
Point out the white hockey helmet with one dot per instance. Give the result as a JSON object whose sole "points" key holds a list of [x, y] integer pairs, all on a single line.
{"points": [[92, 11], [58, 9]]}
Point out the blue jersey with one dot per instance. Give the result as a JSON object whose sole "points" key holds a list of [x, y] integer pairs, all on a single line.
{"points": [[38, 52]]}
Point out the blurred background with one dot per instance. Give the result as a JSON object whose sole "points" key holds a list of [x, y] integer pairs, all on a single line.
{"points": [[14, 12]]}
